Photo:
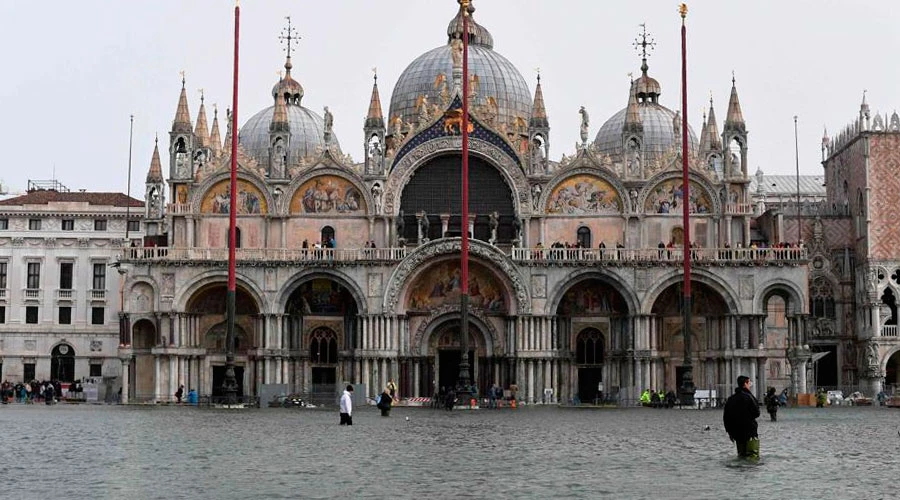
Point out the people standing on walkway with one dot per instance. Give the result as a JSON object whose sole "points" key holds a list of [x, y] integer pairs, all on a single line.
{"points": [[771, 401], [741, 412], [179, 394], [347, 406], [392, 389]]}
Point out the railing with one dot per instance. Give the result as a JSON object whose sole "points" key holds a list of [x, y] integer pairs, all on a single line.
{"points": [[889, 331], [265, 254], [97, 294], [65, 294], [31, 293], [662, 255], [739, 208], [179, 208]]}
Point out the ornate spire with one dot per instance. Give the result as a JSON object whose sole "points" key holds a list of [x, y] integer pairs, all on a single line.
{"points": [[375, 117], [201, 130], [704, 138], [215, 142], [182, 121], [280, 121], [633, 122], [712, 130], [735, 118], [155, 175], [538, 111], [226, 145]]}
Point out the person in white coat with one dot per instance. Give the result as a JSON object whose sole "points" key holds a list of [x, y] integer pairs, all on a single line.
{"points": [[347, 407]]}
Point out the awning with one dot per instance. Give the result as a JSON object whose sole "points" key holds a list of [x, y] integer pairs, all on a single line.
{"points": [[819, 355]]}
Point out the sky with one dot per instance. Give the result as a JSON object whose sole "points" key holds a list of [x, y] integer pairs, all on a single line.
{"points": [[76, 71]]}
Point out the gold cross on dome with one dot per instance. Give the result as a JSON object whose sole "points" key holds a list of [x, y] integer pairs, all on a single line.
{"points": [[289, 36]]}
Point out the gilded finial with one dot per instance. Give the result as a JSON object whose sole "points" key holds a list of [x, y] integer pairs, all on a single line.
{"points": [[375, 73], [732, 78], [289, 37], [201, 95], [182, 73], [682, 9]]}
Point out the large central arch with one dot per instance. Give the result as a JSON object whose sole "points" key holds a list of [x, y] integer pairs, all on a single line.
{"points": [[488, 255]]}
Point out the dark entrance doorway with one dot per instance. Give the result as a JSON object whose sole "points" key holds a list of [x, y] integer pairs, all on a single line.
{"points": [[679, 378], [219, 379], [589, 379], [62, 363], [449, 359], [324, 379]]}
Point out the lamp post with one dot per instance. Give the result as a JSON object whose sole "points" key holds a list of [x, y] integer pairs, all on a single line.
{"points": [[463, 390], [686, 391]]}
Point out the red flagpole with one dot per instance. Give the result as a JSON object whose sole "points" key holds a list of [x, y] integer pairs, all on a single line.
{"points": [[687, 386], [464, 264], [229, 385]]}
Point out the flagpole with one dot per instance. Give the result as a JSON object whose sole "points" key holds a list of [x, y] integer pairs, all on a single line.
{"points": [[229, 385], [686, 390], [464, 391]]}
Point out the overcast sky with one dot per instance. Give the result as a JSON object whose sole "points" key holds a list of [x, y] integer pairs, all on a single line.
{"points": [[75, 71]]}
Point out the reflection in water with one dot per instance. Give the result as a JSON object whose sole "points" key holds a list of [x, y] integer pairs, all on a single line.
{"points": [[167, 452]]}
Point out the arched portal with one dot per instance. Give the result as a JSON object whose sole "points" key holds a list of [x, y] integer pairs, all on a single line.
{"points": [[317, 302], [592, 315], [436, 189], [323, 358], [708, 330], [62, 363], [144, 338], [208, 305], [892, 374], [589, 355], [445, 351]]}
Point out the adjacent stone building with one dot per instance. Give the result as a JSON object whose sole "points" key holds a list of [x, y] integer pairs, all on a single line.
{"points": [[60, 297]]}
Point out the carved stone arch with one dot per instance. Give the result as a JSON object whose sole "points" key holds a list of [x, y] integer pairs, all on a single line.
{"points": [[184, 294], [487, 254], [587, 167], [291, 285], [703, 181], [245, 175], [154, 289], [716, 283], [419, 342], [794, 296], [559, 291], [404, 169], [318, 171]]}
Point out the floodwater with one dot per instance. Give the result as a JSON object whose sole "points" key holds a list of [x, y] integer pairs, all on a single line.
{"points": [[135, 452]]}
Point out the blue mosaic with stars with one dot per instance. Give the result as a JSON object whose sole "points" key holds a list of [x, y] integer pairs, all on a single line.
{"points": [[436, 130]]}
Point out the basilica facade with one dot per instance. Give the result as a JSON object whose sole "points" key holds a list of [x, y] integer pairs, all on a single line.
{"points": [[350, 272]]}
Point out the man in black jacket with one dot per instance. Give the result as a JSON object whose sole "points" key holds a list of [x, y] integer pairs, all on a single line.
{"points": [[741, 411]]}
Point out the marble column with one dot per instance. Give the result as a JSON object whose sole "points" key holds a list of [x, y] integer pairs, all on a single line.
{"points": [[126, 379], [157, 379]]}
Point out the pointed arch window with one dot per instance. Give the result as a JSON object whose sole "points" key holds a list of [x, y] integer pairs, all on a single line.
{"points": [[584, 237], [323, 348], [589, 347], [821, 299]]}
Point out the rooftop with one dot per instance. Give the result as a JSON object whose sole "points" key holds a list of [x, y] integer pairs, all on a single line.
{"points": [[45, 197]]}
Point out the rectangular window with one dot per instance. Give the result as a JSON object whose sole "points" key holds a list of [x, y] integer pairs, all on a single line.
{"points": [[96, 370], [29, 372], [4, 224], [68, 224], [65, 315], [31, 315], [65, 275], [97, 314], [34, 224], [2, 275], [134, 225], [34, 275], [2, 314], [99, 276], [99, 224]]}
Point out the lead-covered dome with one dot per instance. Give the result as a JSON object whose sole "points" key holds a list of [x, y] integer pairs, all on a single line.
{"points": [[307, 128], [497, 77], [659, 131], [307, 134]]}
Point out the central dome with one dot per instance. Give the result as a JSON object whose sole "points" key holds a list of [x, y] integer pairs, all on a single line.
{"points": [[659, 131], [497, 77]]}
